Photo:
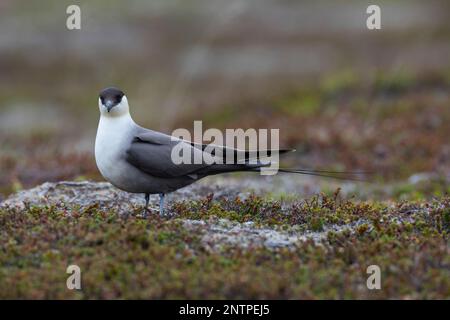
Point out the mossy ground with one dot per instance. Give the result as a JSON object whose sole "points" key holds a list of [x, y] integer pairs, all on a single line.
{"points": [[157, 258], [395, 129], [377, 102]]}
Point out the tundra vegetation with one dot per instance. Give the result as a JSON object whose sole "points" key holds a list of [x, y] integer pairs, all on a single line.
{"points": [[344, 97]]}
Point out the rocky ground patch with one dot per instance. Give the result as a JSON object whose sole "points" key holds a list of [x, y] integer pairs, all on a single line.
{"points": [[215, 242]]}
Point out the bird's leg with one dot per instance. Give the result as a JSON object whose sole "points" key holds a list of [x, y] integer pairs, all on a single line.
{"points": [[147, 199], [161, 204]]}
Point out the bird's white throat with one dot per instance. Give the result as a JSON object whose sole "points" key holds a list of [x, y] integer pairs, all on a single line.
{"points": [[113, 130]]}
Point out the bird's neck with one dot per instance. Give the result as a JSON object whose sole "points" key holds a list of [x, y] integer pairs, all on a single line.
{"points": [[122, 123]]}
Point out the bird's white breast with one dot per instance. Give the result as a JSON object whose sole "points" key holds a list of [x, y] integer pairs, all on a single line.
{"points": [[110, 146]]}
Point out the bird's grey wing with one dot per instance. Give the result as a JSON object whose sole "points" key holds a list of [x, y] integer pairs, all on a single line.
{"points": [[222, 153], [151, 152], [238, 156]]}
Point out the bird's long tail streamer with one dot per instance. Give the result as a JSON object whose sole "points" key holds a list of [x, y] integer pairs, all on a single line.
{"points": [[339, 175]]}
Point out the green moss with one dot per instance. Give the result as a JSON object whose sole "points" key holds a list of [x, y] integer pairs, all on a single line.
{"points": [[339, 82], [446, 219], [394, 82], [403, 190], [127, 257], [316, 224], [301, 103]]}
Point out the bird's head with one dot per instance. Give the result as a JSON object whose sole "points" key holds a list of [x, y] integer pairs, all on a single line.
{"points": [[112, 102]]}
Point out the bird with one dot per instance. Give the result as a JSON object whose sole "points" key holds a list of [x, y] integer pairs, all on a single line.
{"points": [[138, 160]]}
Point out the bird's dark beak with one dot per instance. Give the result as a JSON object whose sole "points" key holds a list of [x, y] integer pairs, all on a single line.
{"points": [[109, 105]]}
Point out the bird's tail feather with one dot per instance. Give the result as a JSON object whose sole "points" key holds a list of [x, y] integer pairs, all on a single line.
{"points": [[338, 175]]}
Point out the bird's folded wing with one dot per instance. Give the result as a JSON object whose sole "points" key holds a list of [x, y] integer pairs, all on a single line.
{"points": [[214, 150], [151, 152], [239, 156]]}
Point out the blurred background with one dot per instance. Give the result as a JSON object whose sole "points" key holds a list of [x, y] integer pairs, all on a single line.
{"points": [[346, 97]]}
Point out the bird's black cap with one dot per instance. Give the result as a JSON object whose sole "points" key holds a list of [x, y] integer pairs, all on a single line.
{"points": [[110, 97]]}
